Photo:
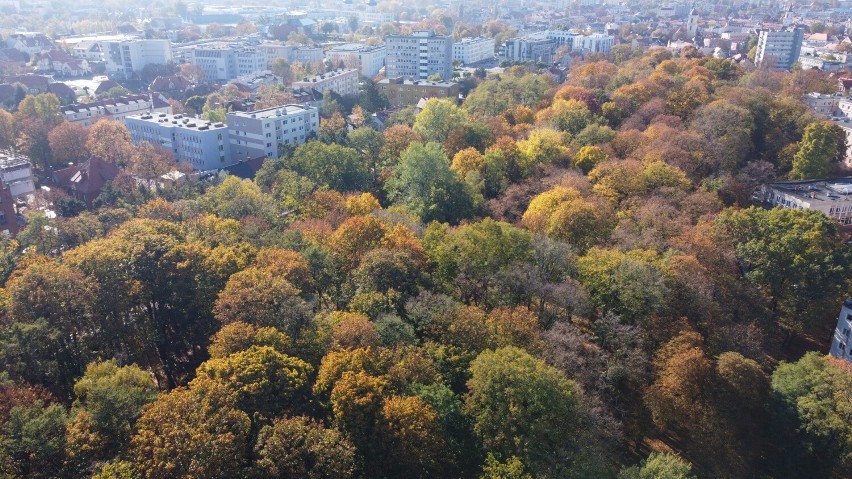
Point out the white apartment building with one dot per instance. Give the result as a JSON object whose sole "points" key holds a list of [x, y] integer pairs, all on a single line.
{"points": [[841, 344], [86, 114], [823, 104], [779, 49], [291, 53], [223, 62], [369, 59], [254, 134], [473, 50], [419, 55], [125, 57], [16, 173], [200, 143], [594, 43], [342, 82]]}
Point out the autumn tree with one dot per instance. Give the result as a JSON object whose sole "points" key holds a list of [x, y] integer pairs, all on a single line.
{"points": [[563, 214], [438, 118], [301, 447], [7, 129], [195, 432], [68, 143], [110, 140], [35, 117]]}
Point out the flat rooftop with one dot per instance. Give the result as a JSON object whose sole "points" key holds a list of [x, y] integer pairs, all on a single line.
{"points": [[11, 160], [282, 110], [835, 189], [181, 121]]}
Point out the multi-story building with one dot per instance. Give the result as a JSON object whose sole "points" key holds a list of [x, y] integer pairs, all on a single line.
{"points": [[823, 104], [526, 49], [811, 62], [473, 50], [126, 57], [16, 173], [224, 62], [369, 59], [258, 133], [419, 55], [594, 43], [402, 92], [841, 342], [779, 49], [86, 114], [291, 53], [832, 197], [342, 82], [200, 143]]}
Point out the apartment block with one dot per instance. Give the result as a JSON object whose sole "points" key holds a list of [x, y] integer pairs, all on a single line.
{"points": [[291, 53], [369, 59], [127, 57], [200, 143], [779, 49], [419, 55], [526, 49], [342, 82], [473, 50], [258, 133], [401, 92]]}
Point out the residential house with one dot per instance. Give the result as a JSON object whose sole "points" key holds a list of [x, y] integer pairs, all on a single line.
{"points": [[86, 180], [60, 63]]}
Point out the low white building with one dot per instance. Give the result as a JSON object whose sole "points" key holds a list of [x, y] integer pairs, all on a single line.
{"points": [[473, 50], [200, 143], [841, 344], [823, 104], [86, 114], [16, 173], [254, 134], [343, 82], [369, 59]]}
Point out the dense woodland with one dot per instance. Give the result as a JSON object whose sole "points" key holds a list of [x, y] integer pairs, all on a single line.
{"points": [[548, 281]]}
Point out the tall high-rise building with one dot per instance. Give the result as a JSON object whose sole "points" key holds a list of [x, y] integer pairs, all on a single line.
{"points": [[419, 55], [779, 49]]}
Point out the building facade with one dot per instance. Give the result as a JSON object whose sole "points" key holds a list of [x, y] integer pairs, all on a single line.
{"points": [[526, 49], [841, 344], [401, 92], [259, 133], [578, 42], [16, 173], [127, 57], [369, 59], [342, 82], [779, 49], [202, 144], [419, 55], [86, 114], [224, 62], [831, 197], [473, 50]]}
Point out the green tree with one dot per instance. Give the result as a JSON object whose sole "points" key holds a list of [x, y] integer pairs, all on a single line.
{"points": [[424, 183], [810, 417], [108, 401], [35, 440], [281, 68], [659, 466], [522, 407], [793, 257], [438, 118], [818, 150], [339, 167]]}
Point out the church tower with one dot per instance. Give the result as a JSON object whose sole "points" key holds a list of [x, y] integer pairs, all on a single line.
{"points": [[692, 22]]}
